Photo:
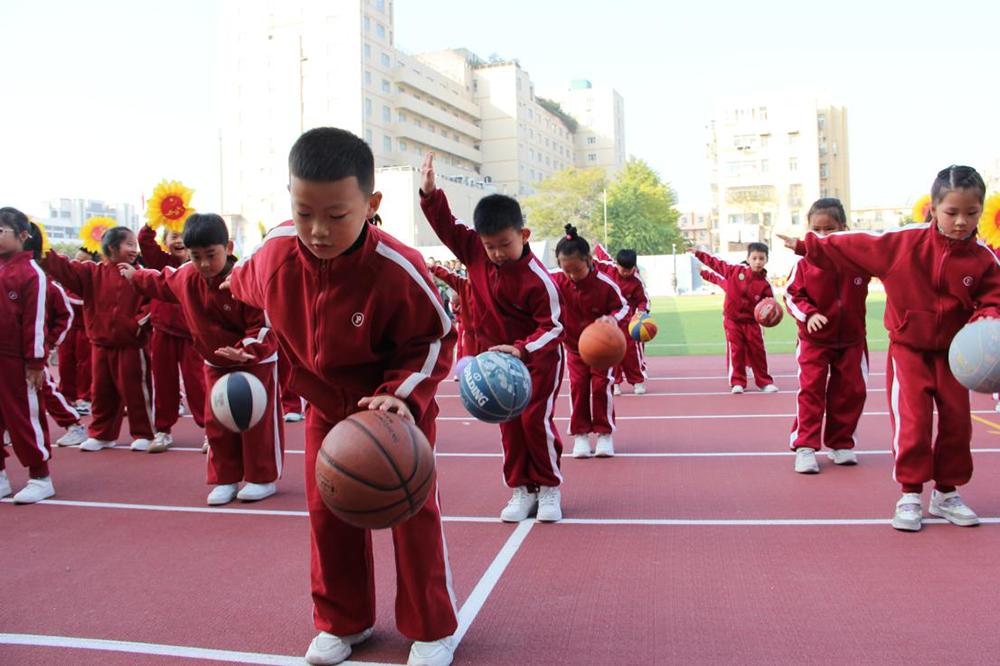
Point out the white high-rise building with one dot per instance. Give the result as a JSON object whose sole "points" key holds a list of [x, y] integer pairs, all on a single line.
{"points": [[599, 141]]}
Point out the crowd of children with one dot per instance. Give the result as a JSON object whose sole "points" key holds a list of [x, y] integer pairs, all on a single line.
{"points": [[127, 333]]}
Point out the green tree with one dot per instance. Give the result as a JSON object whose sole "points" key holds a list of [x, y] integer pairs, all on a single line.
{"points": [[641, 212], [571, 196]]}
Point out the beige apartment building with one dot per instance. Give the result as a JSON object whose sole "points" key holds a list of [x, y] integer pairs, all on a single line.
{"points": [[599, 141], [880, 218], [700, 230], [771, 156], [287, 67]]}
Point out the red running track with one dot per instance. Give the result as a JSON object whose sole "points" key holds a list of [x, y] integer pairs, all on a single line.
{"points": [[698, 545]]}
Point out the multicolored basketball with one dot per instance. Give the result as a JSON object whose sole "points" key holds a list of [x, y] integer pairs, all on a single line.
{"points": [[768, 313], [495, 387], [602, 345], [375, 470], [974, 356], [238, 401], [642, 329]]}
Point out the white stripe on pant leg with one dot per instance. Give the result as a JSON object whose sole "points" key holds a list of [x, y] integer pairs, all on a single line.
{"points": [[59, 396], [864, 378], [276, 414], [611, 400], [447, 563], [798, 374], [729, 360], [550, 435], [36, 424], [150, 400], [572, 397], [640, 350], [894, 406]]}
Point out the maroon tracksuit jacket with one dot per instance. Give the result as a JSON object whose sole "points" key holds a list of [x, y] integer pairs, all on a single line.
{"points": [[833, 361], [74, 356], [590, 391], [633, 288], [935, 285], [59, 321], [515, 304], [367, 322], [744, 290], [466, 312]]}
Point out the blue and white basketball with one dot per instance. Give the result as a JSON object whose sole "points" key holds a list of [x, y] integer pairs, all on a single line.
{"points": [[974, 356], [495, 387], [238, 401]]}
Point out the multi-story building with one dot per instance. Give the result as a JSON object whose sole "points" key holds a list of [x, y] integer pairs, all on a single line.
{"points": [[771, 157], [599, 141], [880, 218], [67, 216], [698, 229], [287, 67]]}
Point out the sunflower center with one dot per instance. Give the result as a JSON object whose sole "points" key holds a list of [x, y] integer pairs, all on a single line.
{"points": [[172, 207]]}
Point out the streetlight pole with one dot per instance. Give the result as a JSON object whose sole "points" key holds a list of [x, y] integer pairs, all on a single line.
{"points": [[673, 251], [605, 218]]}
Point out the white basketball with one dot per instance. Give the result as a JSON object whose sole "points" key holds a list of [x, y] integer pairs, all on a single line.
{"points": [[238, 401]]}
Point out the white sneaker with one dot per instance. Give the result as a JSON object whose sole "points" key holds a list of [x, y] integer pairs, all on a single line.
{"points": [[223, 494], [549, 509], [181, 410], [581, 446], [141, 444], [842, 456], [252, 492], [605, 447], [951, 507], [327, 649], [83, 407], [805, 461], [204, 445], [293, 417], [76, 435], [5, 488], [738, 389], [770, 388], [161, 442], [6, 438], [521, 505], [618, 389], [909, 511], [97, 444], [997, 408], [432, 653], [35, 491], [639, 389]]}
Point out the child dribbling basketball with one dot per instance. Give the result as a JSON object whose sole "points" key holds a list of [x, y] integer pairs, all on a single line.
{"points": [[589, 295], [625, 273], [364, 328], [938, 276], [829, 308]]}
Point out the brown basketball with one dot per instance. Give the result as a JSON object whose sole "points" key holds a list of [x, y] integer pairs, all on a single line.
{"points": [[602, 345], [768, 313], [375, 470]]}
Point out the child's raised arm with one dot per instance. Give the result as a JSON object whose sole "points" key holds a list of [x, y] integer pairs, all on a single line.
{"points": [[459, 236], [723, 268], [149, 283], [153, 256], [864, 252], [74, 275]]}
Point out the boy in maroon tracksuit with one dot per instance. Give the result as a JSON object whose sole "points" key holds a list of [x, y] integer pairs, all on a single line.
{"points": [[937, 276], [625, 273], [467, 345], [746, 285], [172, 351], [589, 295], [363, 327], [518, 312], [117, 321], [22, 355], [229, 336], [832, 354]]}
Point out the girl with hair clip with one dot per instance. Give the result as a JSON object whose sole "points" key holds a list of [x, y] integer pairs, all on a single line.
{"points": [[590, 296], [117, 321], [23, 355]]}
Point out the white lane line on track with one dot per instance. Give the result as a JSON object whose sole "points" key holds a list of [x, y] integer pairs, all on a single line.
{"points": [[699, 417], [160, 649], [673, 394]]}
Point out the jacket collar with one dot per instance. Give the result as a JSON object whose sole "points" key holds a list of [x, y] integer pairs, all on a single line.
{"points": [[358, 253], [19, 257]]}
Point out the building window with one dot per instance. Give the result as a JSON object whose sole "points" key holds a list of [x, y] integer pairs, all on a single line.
{"points": [[386, 114], [401, 145], [592, 157], [368, 108], [795, 218], [368, 78], [380, 5], [530, 115], [386, 86], [385, 60], [532, 174], [824, 170], [387, 144], [765, 166], [400, 117], [444, 132], [380, 30], [734, 219], [821, 121], [793, 164], [764, 139], [368, 137], [591, 140], [431, 129], [368, 51], [793, 138], [532, 153], [531, 133], [368, 24], [762, 113], [475, 85], [454, 137]]}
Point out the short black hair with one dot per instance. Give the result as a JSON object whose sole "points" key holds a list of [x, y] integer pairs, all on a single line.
{"points": [[757, 247], [204, 229], [33, 243], [14, 219], [93, 255], [626, 258], [831, 207], [112, 238], [957, 178], [326, 154], [572, 245], [495, 213]]}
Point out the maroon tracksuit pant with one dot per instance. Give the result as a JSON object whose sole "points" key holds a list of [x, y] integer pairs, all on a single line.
{"points": [[74, 365], [22, 415], [633, 366], [745, 346], [531, 446], [58, 405], [122, 378], [591, 400], [832, 384], [175, 357]]}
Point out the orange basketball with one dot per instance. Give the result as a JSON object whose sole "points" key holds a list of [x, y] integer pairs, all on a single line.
{"points": [[768, 313], [602, 345], [375, 470]]}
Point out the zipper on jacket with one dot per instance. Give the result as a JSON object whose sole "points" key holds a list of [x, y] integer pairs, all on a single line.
{"points": [[317, 309], [937, 289]]}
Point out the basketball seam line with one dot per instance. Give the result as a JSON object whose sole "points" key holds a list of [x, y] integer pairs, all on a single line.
{"points": [[389, 459], [351, 475]]}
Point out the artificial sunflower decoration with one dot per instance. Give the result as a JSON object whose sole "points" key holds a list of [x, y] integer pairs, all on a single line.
{"points": [[261, 228], [989, 223], [922, 208], [170, 205], [46, 246], [92, 232]]}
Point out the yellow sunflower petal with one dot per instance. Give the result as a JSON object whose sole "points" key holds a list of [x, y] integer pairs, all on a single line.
{"points": [[93, 230], [922, 208], [989, 223], [170, 205]]}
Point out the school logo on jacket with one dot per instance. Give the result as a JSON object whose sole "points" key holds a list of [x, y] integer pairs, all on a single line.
{"points": [[227, 307], [858, 281], [12, 295], [967, 280], [357, 319], [742, 276]]}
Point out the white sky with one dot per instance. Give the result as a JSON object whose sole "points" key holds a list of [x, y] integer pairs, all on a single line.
{"points": [[102, 99]]}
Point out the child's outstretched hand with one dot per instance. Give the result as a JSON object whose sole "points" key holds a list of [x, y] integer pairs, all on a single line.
{"points": [[234, 354], [608, 319], [388, 403], [816, 322], [691, 250], [35, 379], [427, 174], [225, 283], [788, 241], [127, 271], [507, 349]]}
